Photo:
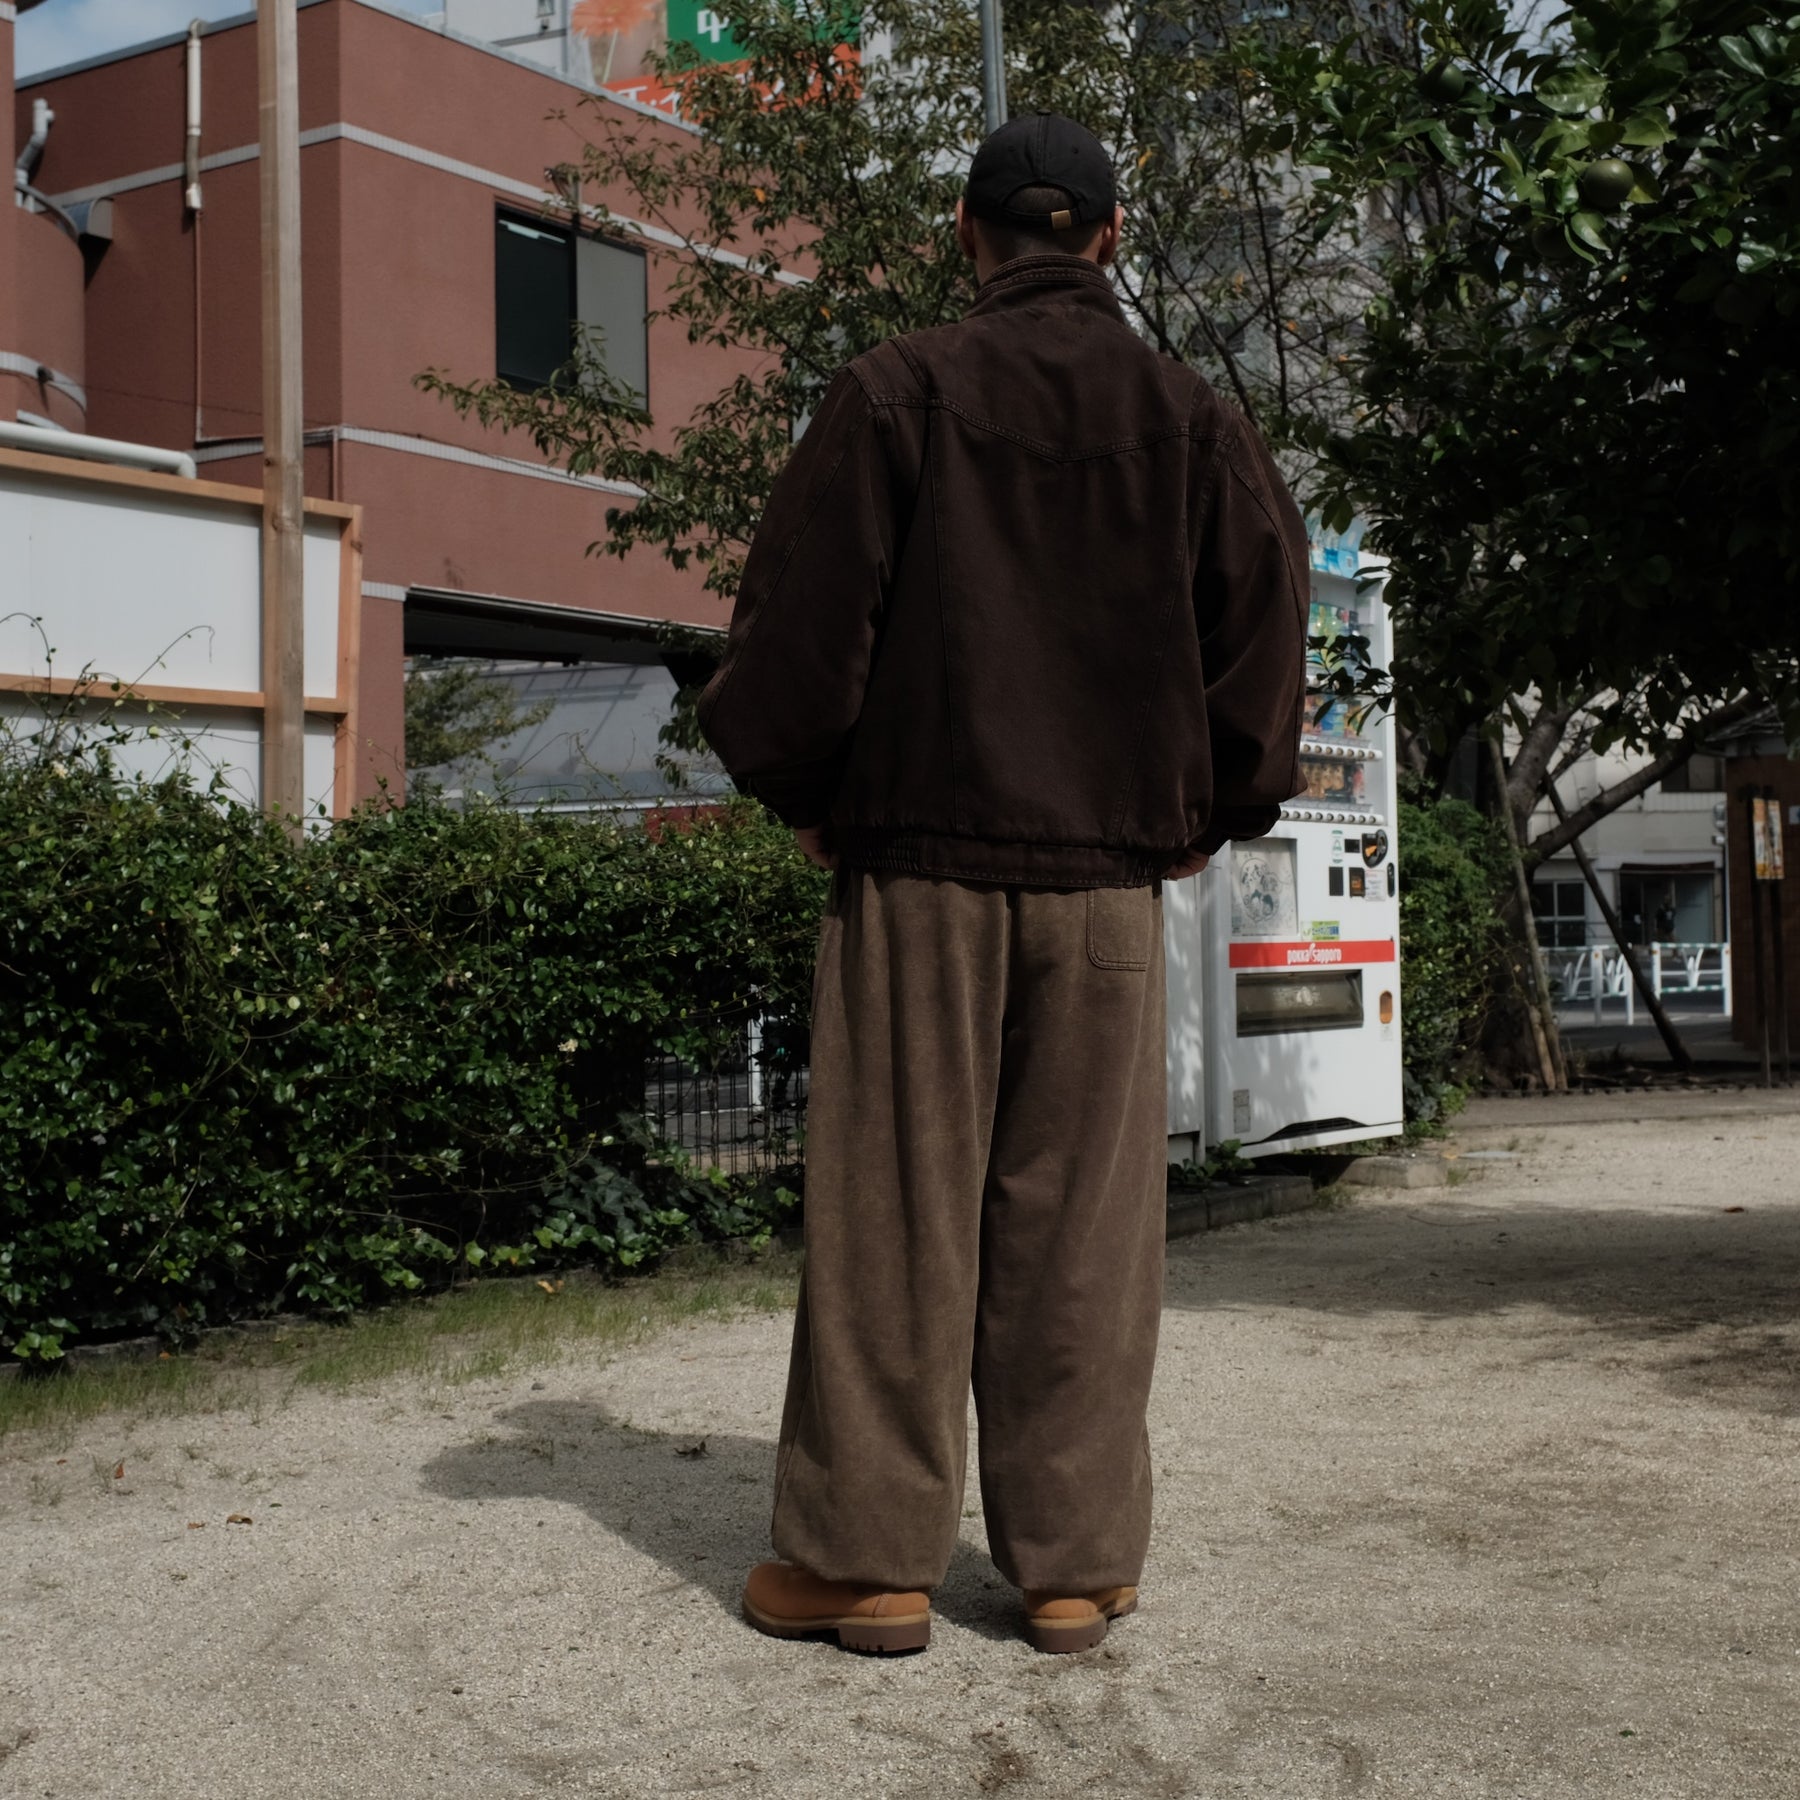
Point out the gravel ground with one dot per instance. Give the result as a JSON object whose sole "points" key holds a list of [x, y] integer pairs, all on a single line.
{"points": [[1488, 1490]]}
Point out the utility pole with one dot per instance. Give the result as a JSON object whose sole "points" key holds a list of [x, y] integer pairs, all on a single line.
{"points": [[993, 68], [284, 502]]}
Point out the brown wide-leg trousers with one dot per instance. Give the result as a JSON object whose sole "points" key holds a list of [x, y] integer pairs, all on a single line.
{"points": [[985, 1189]]}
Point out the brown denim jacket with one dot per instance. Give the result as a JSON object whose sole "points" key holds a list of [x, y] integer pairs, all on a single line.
{"points": [[1027, 605]]}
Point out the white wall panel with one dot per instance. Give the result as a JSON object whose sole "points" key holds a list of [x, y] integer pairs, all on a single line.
{"points": [[157, 745], [321, 562], [130, 584], [158, 585]]}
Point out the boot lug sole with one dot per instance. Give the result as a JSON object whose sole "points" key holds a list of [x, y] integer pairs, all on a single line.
{"points": [[872, 1637], [1085, 1634]]}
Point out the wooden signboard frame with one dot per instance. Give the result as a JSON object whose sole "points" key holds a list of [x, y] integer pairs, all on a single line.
{"points": [[342, 706]]}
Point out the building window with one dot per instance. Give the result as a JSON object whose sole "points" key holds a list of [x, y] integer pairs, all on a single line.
{"points": [[550, 284], [532, 309], [611, 303], [1658, 906], [1560, 908], [1698, 775]]}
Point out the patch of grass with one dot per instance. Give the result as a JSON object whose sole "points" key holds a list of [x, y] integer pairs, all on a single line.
{"points": [[207, 1381], [471, 1334]]}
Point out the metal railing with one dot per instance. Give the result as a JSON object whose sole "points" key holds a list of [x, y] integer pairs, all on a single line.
{"points": [[1596, 973], [747, 1113]]}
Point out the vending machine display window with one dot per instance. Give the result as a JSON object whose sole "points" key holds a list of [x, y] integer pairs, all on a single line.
{"points": [[1333, 718], [1299, 1000], [1331, 781]]}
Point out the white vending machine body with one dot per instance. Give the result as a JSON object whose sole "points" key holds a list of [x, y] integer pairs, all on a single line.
{"points": [[1184, 959], [1295, 937]]}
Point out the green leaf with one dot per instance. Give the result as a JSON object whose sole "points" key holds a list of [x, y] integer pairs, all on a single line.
{"points": [[1450, 148], [1646, 130], [1743, 53], [1771, 47], [1590, 228], [1571, 90]]}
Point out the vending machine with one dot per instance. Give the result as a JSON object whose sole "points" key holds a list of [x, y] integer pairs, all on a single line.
{"points": [[1283, 955]]}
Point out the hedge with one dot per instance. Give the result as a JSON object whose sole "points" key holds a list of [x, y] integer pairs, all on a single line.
{"points": [[240, 1074], [1451, 872]]}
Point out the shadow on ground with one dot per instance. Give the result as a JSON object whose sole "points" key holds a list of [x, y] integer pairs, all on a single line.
{"points": [[699, 1506], [1718, 1290]]}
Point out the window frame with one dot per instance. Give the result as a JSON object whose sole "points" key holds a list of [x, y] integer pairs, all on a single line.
{"points": [[570, 236], [506, 217], [1551, 919], [642, 253]]}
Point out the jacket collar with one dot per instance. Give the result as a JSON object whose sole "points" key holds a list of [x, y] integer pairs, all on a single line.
{"points": [[1050, 277]]}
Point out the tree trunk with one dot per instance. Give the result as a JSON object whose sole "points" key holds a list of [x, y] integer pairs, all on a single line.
{"points": [[1678, 1051], [1529, 977]]}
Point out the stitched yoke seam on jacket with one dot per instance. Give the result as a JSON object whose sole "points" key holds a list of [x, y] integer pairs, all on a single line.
{"points": [[1265, 509], [1050, 452], [787, 556], [1295, 586]]}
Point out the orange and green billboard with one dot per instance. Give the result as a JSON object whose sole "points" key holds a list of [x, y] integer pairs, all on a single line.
{"points": [[622, 37]]}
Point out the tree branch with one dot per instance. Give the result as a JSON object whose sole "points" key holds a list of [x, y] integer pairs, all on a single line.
{"points": [[1609, 800], [1537, 744]]}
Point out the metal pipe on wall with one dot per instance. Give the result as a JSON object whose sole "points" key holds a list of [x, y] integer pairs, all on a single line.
{"points": [[43, 441], [191, 193], [42, 118], [192, 200]]}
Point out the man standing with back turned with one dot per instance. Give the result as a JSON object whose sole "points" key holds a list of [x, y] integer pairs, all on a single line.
{"points": [[1021, 635]]}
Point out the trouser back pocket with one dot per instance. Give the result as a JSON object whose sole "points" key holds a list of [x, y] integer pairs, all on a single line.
{"points": [[1119, 924]]}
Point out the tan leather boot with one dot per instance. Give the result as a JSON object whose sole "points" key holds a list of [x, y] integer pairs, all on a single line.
{"points": [[785, 1601], [1059, 1623]]}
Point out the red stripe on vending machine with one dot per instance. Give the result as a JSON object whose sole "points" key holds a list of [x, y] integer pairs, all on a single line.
{"points": [[1314, 953]]}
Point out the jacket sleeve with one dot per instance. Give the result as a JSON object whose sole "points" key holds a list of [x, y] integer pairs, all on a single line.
{"points": [[1251, 590], [784, 703]]}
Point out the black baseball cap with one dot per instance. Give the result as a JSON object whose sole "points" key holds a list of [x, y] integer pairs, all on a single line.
{"points": [[1041, 150]]}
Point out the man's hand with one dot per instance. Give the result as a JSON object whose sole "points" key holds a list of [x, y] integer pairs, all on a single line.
{"points": [[1191, 864], [815, 845]]}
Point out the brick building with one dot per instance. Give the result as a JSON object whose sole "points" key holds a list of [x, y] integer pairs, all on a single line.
{"points": [[429, 240]]}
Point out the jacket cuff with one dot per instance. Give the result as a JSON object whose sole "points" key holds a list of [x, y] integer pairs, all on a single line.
{"points": [[799, 797], [1229, 822]]}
